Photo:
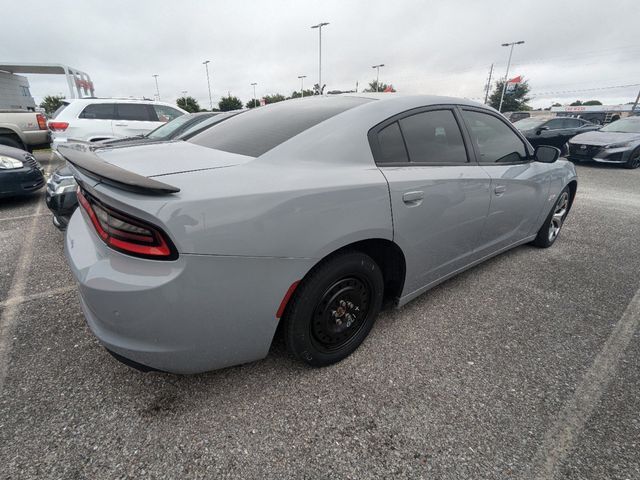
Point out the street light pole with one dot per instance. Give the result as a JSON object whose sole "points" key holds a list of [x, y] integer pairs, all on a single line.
{"points": [[319, 27], [302, 77], [377, 67], [506, 76], [206, 66], [157, 89], [254, 95]]}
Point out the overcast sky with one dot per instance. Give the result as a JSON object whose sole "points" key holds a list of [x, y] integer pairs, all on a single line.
{"points": [[435, 47]]}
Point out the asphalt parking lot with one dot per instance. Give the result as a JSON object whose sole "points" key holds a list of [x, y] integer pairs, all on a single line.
{"points": [[527, 366]]}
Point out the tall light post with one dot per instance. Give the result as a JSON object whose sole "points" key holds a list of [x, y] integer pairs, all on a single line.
{"points": [[184, 94], [206, 66], [157, 89], [302, 77], [506, 76], [377, 67], [319, 27], [254, 94]]}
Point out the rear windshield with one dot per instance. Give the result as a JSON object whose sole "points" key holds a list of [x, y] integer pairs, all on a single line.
{"points": [[261, 129], [60, 109]]}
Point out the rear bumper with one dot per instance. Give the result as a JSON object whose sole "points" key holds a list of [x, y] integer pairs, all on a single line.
{"points": [[62, 206], [20, 181], [197, 313]]}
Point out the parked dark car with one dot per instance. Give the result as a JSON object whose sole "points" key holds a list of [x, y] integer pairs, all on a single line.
{"points": [[61, 187], [20, 172], [553, 131], [617, 142]]}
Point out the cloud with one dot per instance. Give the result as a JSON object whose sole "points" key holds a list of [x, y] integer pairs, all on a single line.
{"points": [[436, 47]]}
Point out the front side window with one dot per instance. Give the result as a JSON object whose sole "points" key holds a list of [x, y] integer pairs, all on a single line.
{"points": [[556, 124], [433, 137], [494, 140], [99, 111], [166, 114], [133, 111]]}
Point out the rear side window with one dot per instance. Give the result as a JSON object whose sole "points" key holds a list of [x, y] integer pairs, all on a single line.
{"points": [[133, 111], [256, 132], [495, 141], [433, 137], [100, 111], [392, 149], [166, 114]]}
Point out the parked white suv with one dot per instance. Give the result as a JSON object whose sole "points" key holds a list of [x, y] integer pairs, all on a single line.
{"points": [[94, 119]]}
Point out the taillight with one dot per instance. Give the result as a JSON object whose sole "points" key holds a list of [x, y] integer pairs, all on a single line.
{"points": [[42, 121], [58, 126], [125, 233]]}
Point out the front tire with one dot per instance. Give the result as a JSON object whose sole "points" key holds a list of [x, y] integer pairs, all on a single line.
{"points": [[334, 308], [634, 159], [550, 229]]}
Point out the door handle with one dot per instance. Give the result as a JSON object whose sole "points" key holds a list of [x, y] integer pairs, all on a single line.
{"points": [[499, 189], [121, 124], [413, 198]]}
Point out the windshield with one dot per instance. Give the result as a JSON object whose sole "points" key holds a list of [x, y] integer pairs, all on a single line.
{"points": [[209, 121], [529, 123], [625, 125], [165, 131]]}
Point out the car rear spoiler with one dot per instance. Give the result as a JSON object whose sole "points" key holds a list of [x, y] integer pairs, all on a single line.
{"points": [[87, 162]]}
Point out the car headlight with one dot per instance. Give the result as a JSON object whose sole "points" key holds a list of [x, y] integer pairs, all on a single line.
{"points": [[8, 163], [617, 145], [65, 184]]}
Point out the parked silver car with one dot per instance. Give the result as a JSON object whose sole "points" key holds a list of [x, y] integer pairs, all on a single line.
{"points": [[314, 212]]}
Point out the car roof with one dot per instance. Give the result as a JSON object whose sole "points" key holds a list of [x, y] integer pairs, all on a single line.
{"points": [[92, 100]]}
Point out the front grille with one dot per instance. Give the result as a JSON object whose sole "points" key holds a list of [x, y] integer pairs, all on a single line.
{"points": [[587, 151], [30, 161]]}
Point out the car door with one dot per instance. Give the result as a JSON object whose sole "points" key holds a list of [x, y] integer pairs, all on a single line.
{"points": [[134, 119], [519, 185], [555, 133], [439, 197], [93, 123]]}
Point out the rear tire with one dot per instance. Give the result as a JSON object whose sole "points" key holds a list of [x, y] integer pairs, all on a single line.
{"points": [[10, 142], [334, 308], [550, 229]]}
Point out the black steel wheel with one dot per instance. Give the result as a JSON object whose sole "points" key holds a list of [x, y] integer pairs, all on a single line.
{"points": [[334, 308]]}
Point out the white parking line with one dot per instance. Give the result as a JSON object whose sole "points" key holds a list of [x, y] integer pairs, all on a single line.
{"points": [[28, 298], [21, 217], [570, 422], [9, 316]]}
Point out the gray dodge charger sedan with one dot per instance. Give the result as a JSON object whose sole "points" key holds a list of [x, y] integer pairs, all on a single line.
{"points": [[312, 213]]}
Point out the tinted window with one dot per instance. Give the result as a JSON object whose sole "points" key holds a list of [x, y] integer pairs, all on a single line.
{"points": [[573, 123], [261, 129], [392, 149], [555, 124], [166, 114], [433, 137], [495, 141], [102, 111], [133, 111]]}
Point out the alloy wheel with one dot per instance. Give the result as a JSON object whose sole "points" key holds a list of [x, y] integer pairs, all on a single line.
{"points": [[559, 212]]}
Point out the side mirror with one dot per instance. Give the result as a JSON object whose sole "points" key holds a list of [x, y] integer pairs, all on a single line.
{"points": [[541, 129], [546, 154]]}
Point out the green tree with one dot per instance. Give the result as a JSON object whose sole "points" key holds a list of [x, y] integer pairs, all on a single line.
{"points": [[51, 103], [577, 103], [252, 103], [375, 87], [229, 103], [189, 104], [276, 97], [307, 93], [514, 101], [592, 102]]}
